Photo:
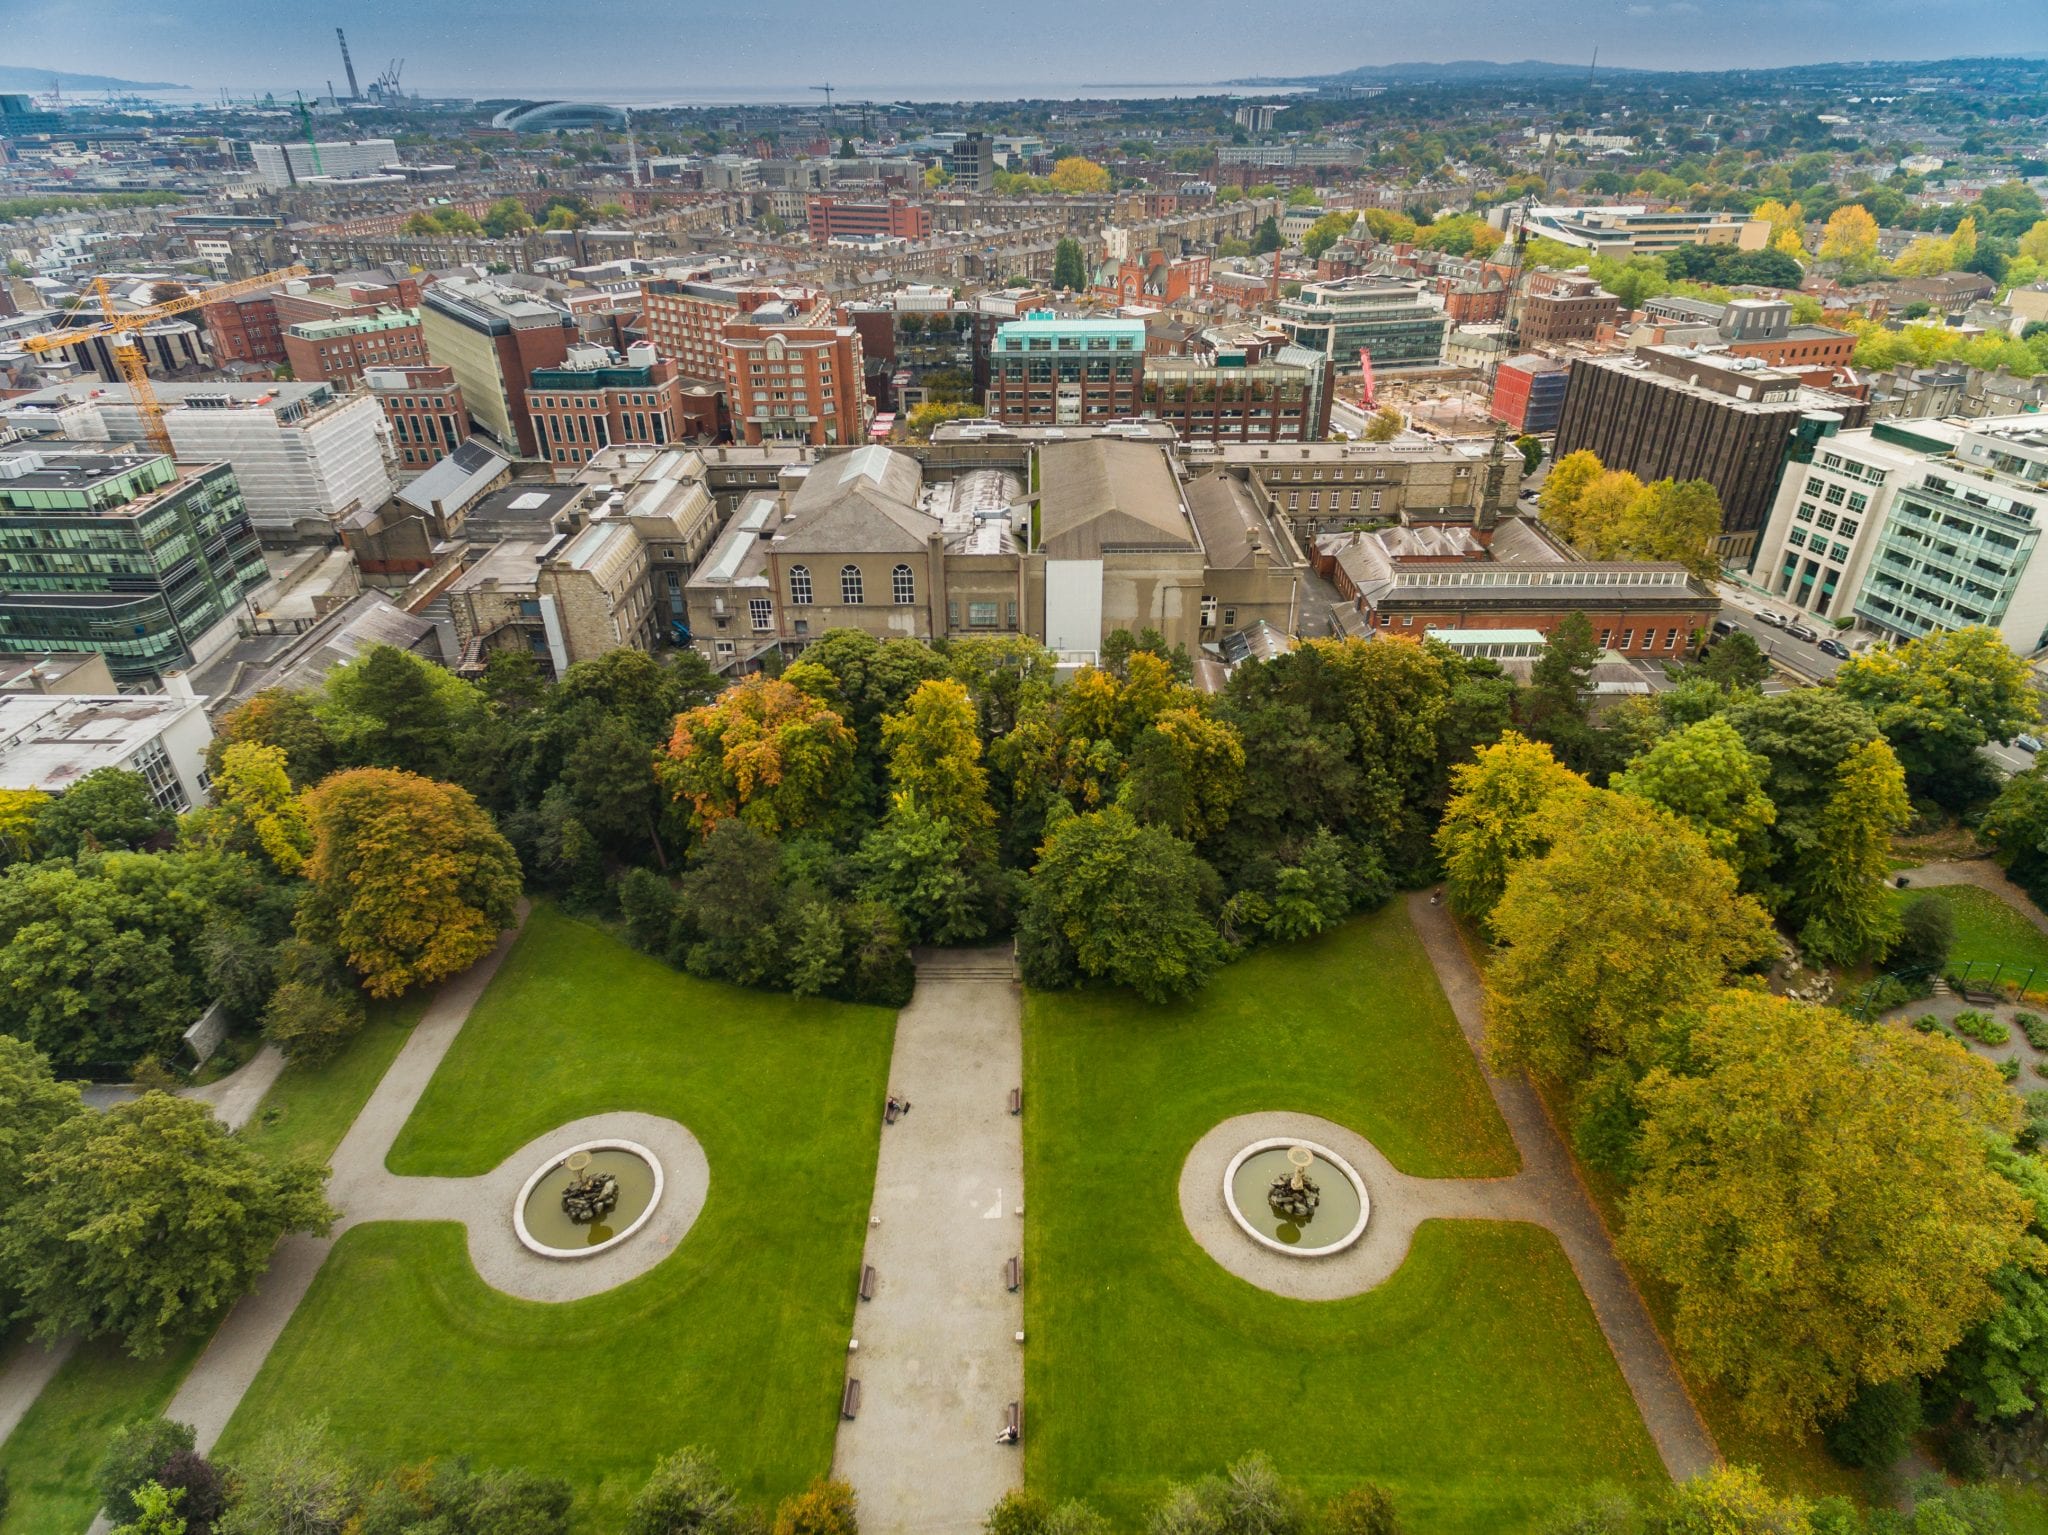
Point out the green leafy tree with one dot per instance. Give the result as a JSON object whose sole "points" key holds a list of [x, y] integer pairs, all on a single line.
{"points": [[1186, 771], [1927, 931], [1490, 824], [409, 878], [732, 905], [1557, 705], [1805, 734], [388, 708], [1876, 1429], [255, 809], [686, 1496], [1248, 1499], [1706, 777], [1367, 1509], [310, 1022], [506, 217], [1387, 423], [913, 863], [99, 961], [2016, 827], [145, 1222], [1939, 698], [1266, 237], [1115, 900], [1733, 1500], [1840, 891], [157, 1511], [1593, 965], [1884, 1259], [1734, 661], [136, 1454], [108, 809], [1069, 265]]}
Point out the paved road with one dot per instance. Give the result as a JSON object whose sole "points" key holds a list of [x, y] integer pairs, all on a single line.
{"points": [[1567, 1209], [1740, 607], [938, 1360]]}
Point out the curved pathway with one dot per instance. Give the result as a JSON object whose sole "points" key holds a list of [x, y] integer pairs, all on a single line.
{"points": [[1400, 1203], [1559, 1201], [214, 1386]]}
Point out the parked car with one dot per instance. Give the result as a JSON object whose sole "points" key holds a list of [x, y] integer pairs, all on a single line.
{"points": [[2027, 743], [1834, 648], [1722, 626], [1801, 632], [1775, 620]]}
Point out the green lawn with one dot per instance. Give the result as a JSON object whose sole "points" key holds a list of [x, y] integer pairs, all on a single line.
{"points": [[1988, 929], [309, 1108], [52, 1456], [1475, 1383], [736, 1343]]}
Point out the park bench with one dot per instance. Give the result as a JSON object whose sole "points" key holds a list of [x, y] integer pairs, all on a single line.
{"points": [[867, 1282], [1013, 1425], [1016, 1100], [849, 1401], [1013, 1273]]}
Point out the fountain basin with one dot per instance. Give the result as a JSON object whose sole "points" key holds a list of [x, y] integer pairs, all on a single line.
{"points": [[1339, 1219], [544, 1228]]}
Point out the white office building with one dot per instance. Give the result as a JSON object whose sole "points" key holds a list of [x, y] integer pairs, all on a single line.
{"points": [[49, 741], [305, 456], [1915, 526]]}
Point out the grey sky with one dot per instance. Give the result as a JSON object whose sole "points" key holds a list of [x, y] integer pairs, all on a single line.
{"points": [[472, 47]]}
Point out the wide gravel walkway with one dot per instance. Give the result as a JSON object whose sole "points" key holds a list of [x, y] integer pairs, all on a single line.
{"points": [[938, 1359], [1559, 1201]]}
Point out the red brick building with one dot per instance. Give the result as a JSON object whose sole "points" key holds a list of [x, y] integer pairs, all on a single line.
{"points": [[832, 218], [686, 319], [424, 406], [598, 398], [790, 381], [1561, 310], [1154, 279], [245, 330], [337, 351], [1528, 393]]}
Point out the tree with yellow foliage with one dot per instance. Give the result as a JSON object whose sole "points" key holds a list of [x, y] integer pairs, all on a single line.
{"points": [[763, 750], [1569, 477], [1488, 824], [1849, 239], [254, 808], [1076, 173], [411, 881], [19, 809], [934, 748], [1818, 1196]]}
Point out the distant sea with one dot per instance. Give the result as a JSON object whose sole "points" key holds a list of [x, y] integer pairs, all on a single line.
{"points": [[776, 95]]}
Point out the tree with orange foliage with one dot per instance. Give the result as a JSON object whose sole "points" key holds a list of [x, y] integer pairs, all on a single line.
{"points": [[411, 880], [763, 750]]}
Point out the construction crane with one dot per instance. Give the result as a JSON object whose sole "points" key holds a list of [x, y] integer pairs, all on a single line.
{"points": [[348, 64], [312, 140], [831, 118], [122, 330]]}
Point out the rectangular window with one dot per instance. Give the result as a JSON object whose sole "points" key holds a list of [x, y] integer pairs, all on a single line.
{"points": [[1826, 520], [1670, 639], [762, 611], [1796, 538], [1837, 495], [1805, 512], [1208, 611], [981, 615], [1628, 638]]}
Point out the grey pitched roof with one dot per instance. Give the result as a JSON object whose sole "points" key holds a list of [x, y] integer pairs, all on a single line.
{"points": [[456, 479], [863, 502], [1227, 518], [1109, 493]]}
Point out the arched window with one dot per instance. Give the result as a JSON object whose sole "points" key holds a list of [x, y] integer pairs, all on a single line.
{"points": [[849, 584], [800, 586], [904, 585]]}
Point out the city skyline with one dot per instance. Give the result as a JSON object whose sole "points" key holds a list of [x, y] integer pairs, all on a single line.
{"points": [[464, 47]]}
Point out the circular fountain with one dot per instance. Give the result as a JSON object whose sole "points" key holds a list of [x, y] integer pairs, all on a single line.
{"points": [[588, 1199], [1296, 1197]]}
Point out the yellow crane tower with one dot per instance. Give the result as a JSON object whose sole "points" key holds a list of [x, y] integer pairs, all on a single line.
{"points": [[121, 329]]}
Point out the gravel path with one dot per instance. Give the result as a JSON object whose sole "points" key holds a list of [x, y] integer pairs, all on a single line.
{"points": [[1560, 1202], [1985, 874], [938, 1360]]}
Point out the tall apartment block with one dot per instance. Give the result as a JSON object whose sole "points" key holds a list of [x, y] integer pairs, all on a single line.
{"points": [[787, 381], [129, 555], [492, 337]]}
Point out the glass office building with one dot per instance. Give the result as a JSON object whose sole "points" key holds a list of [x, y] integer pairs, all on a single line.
{"points": [[129, 554]]}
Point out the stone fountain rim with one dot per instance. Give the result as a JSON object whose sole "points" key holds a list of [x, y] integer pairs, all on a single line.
{"points": [[1273, 1142], [610, 1143]]}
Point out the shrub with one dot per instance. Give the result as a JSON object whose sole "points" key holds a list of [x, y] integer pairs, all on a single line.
{"points": [[1367, 1509], [685, 1496], [1982, 1027], [1963, 1454], [2034, 1027], [1877, 1426], [1892, 991], [823, 1508], [1927, 931], [1599, 1510], [309, 1022], [1927, 1023], [2010, 1070], [136, 1453]]}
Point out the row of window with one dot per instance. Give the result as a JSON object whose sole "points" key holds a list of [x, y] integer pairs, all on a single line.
{"points": [[902, 587]]}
